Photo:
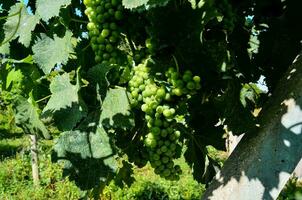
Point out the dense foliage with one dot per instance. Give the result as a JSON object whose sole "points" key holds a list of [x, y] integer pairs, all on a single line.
{"points": [[141, 80]]}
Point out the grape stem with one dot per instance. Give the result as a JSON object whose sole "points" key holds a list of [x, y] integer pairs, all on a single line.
{"points": [[79, 21], [176, 63], [44, 98]]}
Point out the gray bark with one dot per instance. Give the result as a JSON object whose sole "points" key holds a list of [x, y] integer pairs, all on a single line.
{"points": [[264, 160], [34, 159]]}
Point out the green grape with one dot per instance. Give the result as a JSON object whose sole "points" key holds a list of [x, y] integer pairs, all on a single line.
{"points": [[156, 157], [177, 134], [158, 122], [148, 43], [118, 15], [114, 2], [164, 133], [187, 77], [103, 18], [155, 130], [191, 85], [196, 79], [105, 33], [177, 91], [167, 113], [165, 159], [161, 93], [144, 107], [164, 148]]}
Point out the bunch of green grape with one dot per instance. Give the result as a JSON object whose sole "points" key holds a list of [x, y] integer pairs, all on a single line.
{"points": [[104, 16], [154, 98]]}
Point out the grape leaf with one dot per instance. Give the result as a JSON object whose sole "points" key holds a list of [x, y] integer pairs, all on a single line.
{"points": [[4, 49], [204, 119], [27, 117], [47, 9], [124, 175], [156, 3], [14, 75], [130, 4], [88, 157], [147, 4], [48, 52], [116, 110], [203, 167], [249, 92], [20, 25], [238, 118], [64, 104], [97, 75]]}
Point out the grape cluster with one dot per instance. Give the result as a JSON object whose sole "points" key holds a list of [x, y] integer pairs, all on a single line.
{"points": [[103, 28], [153, 98], [182, 85]]}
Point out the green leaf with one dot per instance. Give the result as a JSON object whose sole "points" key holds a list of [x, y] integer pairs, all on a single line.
{"points": [[204, 119], [238, 118], [47, 9], [202, 166], [14, 75], [97, 75], [130, 4], [124, 175], [20, 25], [27, 117], [156, 3], [64, 104], [116, 110], [88, 157], [195, 156], [197, 3], [5, 49], [48, 52], [249, 92]]}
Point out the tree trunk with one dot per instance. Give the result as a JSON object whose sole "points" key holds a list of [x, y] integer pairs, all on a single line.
{"points": [[34, 159], [264, 160]]}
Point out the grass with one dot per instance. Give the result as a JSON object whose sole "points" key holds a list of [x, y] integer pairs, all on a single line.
{"points": [[150, 186], [16, 181]]}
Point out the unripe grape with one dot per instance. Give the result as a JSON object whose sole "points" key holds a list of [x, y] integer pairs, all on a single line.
{"points": [[187, 77], [164, 133], [158, 122], [161, 93], [164, 148], [155, 130], [144, 107], [167, 113], [118, 15], [177, 92], [105, 33], [165, 159], [156, 157], [191, 85], [196, 79]]}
